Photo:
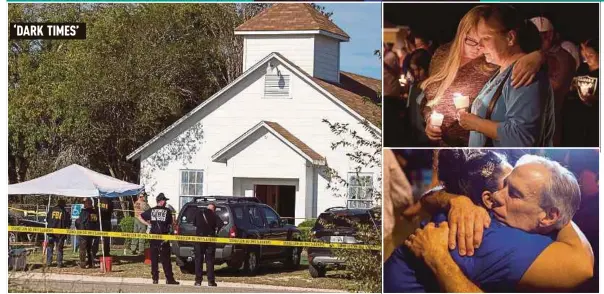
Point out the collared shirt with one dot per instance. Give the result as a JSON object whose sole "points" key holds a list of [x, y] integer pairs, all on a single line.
{"points": [[525, 115]]}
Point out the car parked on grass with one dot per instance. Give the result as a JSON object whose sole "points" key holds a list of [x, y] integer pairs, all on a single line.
{"points": [[337, 225], [16, 219], [241, 217]]}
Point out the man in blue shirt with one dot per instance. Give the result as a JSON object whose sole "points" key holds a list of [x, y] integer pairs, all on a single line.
{"points": [[518, 250]]}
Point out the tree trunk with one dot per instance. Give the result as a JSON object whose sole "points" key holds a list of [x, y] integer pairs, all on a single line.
{"points": [[22, 165], [12, 169]]}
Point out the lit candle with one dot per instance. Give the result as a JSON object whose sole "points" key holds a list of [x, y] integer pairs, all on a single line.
{"points": [[436, 119], [402, 80], [461, 101]]}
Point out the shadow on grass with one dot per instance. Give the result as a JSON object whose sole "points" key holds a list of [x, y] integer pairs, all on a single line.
{"points": [[264, 269], [128, 259]]}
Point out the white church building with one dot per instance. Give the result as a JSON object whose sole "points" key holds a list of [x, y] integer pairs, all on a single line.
{"points": [[264, 134]]}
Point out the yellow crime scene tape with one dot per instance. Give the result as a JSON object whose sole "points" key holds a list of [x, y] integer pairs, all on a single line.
{"points": [[192, 238]]}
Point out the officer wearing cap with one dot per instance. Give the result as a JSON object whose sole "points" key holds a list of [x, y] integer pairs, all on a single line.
{"points": [[158, 220], [57, 218]]}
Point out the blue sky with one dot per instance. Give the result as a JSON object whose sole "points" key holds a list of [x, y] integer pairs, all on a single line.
{"points": [[363, 23]]}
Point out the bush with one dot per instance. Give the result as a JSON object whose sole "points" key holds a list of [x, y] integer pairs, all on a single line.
{"points": [[309, 223], [126, 225], [365, 266], [305, 234]]}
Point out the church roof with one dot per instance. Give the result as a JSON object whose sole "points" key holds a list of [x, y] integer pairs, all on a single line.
{"points": [[291, 17]]}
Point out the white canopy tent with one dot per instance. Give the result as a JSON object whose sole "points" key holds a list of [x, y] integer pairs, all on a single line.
{"points": [[76, 181]]}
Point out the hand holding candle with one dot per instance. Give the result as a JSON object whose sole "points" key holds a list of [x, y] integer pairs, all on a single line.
{"points": [[436, 119], [433, 131], [461, 102], [402, 80]]}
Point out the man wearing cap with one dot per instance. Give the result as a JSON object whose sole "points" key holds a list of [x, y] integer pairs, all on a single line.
{"points": [[140, 206], [560, 69], [158, 220], [57, 218]]}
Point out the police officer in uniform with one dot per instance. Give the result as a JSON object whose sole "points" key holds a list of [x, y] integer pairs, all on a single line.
{"points": [[159, 220], [57, 218], [88, 220], [106, 206], [207, 226]]}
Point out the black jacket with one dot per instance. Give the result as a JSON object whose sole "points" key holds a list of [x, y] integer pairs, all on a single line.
{"points": [[58, 218], [88, 220], [106, 206], [206, 222]]}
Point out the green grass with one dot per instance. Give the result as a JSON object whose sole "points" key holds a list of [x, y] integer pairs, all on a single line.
{"points": [[133, 266]]}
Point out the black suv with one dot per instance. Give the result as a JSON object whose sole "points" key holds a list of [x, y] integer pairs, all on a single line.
{"points": [[336, 225], [242, 217]]}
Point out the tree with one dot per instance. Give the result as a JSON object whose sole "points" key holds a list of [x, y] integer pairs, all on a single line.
{"points": [[365, 153], [92, 102], [142, 67]]}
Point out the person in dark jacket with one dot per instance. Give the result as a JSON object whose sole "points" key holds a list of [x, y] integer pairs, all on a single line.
{"points": [[159, 220], [106, 206], [57, 218], [88, 220], [207, 225]]}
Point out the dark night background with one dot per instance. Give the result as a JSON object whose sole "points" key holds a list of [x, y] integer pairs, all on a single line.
{"points": [[574, 21]]}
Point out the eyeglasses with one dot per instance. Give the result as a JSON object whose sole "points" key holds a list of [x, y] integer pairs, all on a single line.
{"points": [[470, 42]]}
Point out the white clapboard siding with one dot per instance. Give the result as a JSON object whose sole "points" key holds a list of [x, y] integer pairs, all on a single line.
{"points": [[263, 159], [327, 58], [299, 49]]}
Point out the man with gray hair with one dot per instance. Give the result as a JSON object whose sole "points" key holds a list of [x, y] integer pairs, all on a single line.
{"points": [[538, 197], [552, 208]]}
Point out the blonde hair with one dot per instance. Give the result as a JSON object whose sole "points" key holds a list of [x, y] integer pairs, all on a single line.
{"points": [[448, 71]]}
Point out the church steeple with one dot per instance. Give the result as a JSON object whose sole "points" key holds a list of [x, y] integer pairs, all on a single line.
{"points": [[300, 33]]}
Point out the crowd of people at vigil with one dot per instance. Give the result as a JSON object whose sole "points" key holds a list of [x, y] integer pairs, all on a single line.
{"points": [[505, 80]]}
